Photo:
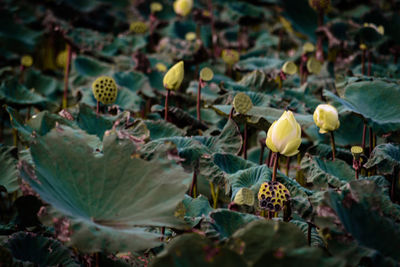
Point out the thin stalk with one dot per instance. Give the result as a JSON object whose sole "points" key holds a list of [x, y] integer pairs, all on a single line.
{"points": [[371, 141], [231, 113], [28, 113], [369, 63], [166, 105], [66, 76], [268, 160], [261, 159], [216, 198], [262, 213], [333, 146], [15, 137], [287, 165], [364, 136], [276, 158], [199, 100], [98, 109], [364, 52], [162, 233], [212, 189], [192, 190], [309, 234], [245, 141]]}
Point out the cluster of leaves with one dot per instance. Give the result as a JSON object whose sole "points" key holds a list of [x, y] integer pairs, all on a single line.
{"points": [[114, 189]]}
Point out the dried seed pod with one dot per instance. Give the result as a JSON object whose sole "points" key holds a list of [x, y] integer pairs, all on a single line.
{"points": [[230, 56], [242, 103], [138, 27], [308, 47], [105, 90], [26, 61], [289, 68], [244, 196], [356, 151], [273, 196], [313, 65], [206, 74]]}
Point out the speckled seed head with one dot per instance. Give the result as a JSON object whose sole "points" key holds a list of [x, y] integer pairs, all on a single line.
{"points": [[313, 65], [230, 56], [206, 74], [105, 90], [289, 68], [242, 103], [138, 27], [319, 5], [273, 196]]}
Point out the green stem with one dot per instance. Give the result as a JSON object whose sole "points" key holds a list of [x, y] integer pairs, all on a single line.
{"points": [[166, 105], [287, 165], [66, 76], [199, 101]]}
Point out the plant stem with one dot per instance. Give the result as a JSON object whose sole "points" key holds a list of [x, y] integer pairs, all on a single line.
{"points": [[333, 146], [28, 113], [369, 63], [320, 52], [262, 213], [192, 190], [15, 137], [261, 159], [276, 158], [231, 113], [309, 234], [66, 76], [97, 109], [287, 165], [268, 160], [364, 136], [216, 198], [371, 141], [162, 233], [199, 100], [245, 141], [166, 105], [364, 52]]}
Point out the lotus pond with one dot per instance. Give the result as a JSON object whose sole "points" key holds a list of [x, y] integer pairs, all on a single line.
{"points": [[199, 133]]}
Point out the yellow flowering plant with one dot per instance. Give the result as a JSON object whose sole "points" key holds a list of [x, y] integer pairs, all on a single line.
{"points": [[172, 81]]}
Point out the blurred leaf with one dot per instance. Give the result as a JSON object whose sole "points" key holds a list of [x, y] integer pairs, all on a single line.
{"points": [[386, 157], [8, 170]]}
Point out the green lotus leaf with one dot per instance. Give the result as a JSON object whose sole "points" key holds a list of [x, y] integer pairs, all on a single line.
{"points": [[28, 248], [324, 173], [88, 66], [386, 157], [196, 209], [316, 240], [8, 170], [13, 93], [263, 236], [161, 128], [135, 82], [43, 84], [230, 163], [227, 222], [111, 196], [196, 250], [259, 63], [370, 99], [209, 93]]}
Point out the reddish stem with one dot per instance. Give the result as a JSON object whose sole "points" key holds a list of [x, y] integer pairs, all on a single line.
{"points": [[333, 146], [194, 183], [66, 75], [287, 166], [363, 62], [199, 100], [245, 141], [166, 105], [231, 113], [162, 233], [364, 136], [371, 141], [97, 109], [268, 160], [276, 158], [369, 63]]}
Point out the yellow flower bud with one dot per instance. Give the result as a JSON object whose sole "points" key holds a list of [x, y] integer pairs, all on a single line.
{"points": [[284, 135], [156, 7], [183, 7], [326, 118], [308, 47], [26, 61], [190, 36], [174, 77], [161, 67]]}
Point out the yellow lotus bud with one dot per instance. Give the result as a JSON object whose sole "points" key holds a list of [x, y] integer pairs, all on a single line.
{"points": [[206, 74], [244, 196], [105, 90], [308, 47], [161, 67], [273, 196], [326, 118], [156, 7], [62, 59], [381, 29], [183, 7], [174, 77], [138, 27], [284, 135], [314, 66], [289, 68], [26, 61], [190, 36], [230, 56]]}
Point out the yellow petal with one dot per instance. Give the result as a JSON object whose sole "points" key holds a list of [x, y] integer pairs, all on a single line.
{"points": [[292, 147], [174, 77], [270, 145]]}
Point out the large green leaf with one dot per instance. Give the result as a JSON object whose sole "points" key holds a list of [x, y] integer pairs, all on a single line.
{"points": [[371, 100], [195, 250], [90, 67], [111, 195], [196, 209], [230, 164], [39, 251], [259, 63], [8, 170], [386, 157]]}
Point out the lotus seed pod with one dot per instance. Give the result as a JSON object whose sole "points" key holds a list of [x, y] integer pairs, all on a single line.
{"points": [[308, 47], [289, 68], [105, 90], [244, 196], [174, 77], [313, 65], [156, 7], [319, 5], [242, 103], [356, 151], [138, 27], [230, 56], [273, 196], [206, 74], [26, 61]]}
